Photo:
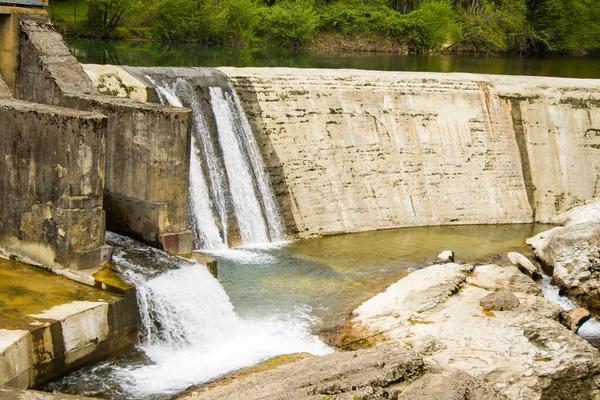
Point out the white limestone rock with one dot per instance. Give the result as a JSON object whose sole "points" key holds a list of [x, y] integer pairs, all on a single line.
{"points": [[525, 352], [445, 256], [524, 264]]}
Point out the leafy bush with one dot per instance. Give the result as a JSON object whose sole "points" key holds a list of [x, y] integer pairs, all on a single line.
{"points": [[433, 26], [360, 18], [493, 28], [191, 20], [289, 23], [240, 20]]}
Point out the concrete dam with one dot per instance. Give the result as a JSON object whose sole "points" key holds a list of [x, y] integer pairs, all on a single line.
{"points": [[271, 153], [350, 151]]}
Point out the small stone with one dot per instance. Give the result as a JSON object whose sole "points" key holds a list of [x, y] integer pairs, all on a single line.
{"points": [[500, 301], [524, 264], [446, 256]]}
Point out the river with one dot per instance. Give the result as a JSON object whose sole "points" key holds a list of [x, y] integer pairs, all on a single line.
{"points": [[193, 55]]}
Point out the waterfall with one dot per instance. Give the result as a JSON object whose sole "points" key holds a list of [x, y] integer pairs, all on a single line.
{"points": [[229, 184], [191, 333]]}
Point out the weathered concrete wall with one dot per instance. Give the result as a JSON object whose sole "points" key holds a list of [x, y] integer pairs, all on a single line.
{"points": [[147, 159], [360, 150], [66, 338], [52, 166]]}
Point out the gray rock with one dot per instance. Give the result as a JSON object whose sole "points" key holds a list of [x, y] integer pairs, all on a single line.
{"points": [[525, 352], [451, 385], [524, 264], [428, 345], [500, 301]]}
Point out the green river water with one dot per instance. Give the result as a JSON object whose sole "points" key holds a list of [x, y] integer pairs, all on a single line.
{"points": [[332, 275], [190, 55]]}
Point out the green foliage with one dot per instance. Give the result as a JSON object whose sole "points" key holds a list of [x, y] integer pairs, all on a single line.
{"points": [[496, 27], [433, 26], [187, 20], [240, 20], [360, 19], [488, 26], [567, 24], [289, 23]]}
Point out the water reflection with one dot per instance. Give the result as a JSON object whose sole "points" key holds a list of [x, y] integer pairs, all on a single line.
{"points": [[193, 55]]}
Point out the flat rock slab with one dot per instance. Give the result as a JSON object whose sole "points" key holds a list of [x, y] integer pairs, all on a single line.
{"points": [[525, 352], [367, 374], [450, 385]]}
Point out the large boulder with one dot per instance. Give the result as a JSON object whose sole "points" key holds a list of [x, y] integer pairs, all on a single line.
{"points": [[500, 301], [525, 351], [572, 253]]}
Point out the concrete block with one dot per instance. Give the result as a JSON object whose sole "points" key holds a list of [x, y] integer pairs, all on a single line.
{"points": [[84, 325], [15, 358]]}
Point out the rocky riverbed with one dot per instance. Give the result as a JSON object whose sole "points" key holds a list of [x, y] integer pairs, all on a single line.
{"points": [[458, 330]]}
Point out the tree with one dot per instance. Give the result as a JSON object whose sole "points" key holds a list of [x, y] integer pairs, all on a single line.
{"points": [[104, 15]]}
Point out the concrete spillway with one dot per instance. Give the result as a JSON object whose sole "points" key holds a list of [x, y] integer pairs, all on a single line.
{"points": [[352, 151], [231, 200], [349, 151]]}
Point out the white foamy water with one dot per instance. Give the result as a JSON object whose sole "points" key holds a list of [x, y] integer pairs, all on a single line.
{"points": [[191, 331], [227, 172]]}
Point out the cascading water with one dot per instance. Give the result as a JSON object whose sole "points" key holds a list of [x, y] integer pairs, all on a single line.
{"points": [[191, 333], [234, 129], [240, 182]]}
